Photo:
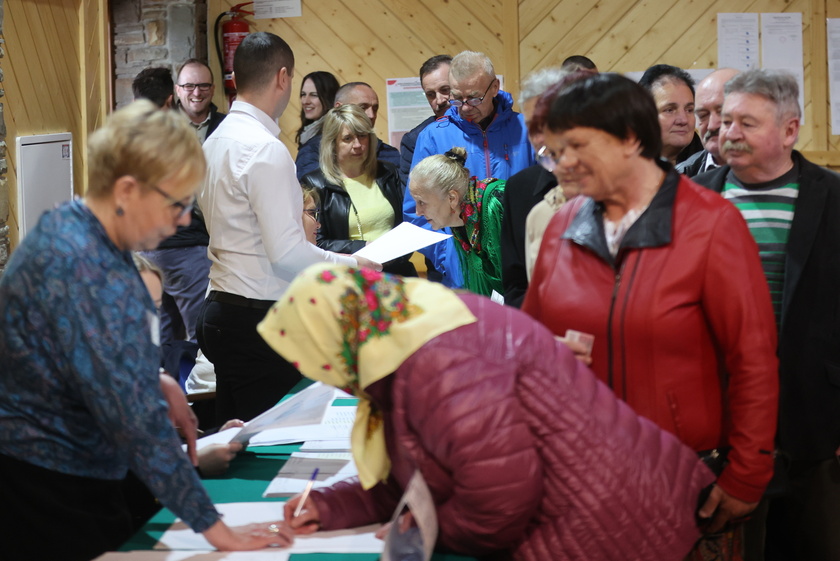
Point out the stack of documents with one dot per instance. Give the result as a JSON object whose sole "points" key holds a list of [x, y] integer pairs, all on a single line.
{"points": [[297, 471]]}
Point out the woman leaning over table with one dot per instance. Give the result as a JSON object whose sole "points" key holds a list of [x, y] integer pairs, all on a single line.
{"points": [[525, 453], [361, 197], [665, 275], [447, 196], [81, 399]]}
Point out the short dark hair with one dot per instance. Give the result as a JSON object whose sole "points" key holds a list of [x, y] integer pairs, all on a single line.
{"points": [[259, 58], [344, 90], [154, 84], [199, 62], [659, 73], [434, 63], [611, 103], [326, 85], [578, 62]]}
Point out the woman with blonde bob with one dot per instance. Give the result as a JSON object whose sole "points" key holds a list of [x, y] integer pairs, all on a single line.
{"points": [[81, 398], [446, 195], [361, 197]]}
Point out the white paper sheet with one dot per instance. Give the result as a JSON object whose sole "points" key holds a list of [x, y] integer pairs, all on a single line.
{"points": [[306, 407], [337, 424], [261, 555], [297, 471], [738, 41], [402, 240], [340, 445], [357, 540], [833, 45], [781, 48]]}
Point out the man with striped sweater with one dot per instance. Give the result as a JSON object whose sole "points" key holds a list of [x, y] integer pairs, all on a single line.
{"points": [[792, 208]]}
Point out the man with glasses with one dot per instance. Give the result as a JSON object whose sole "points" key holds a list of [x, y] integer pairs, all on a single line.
{"points": [[195, 90], [482, 120], [183, 256]]}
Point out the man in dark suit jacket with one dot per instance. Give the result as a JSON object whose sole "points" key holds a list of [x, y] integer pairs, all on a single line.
{"points": [[793, 209], [195, 89]]}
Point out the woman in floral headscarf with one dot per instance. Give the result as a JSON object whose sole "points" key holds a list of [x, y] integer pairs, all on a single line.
{"points": [[525, 453], [447, 196]]}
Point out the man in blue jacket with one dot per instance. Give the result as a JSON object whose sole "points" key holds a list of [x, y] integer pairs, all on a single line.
{"points": [[482, 120]]}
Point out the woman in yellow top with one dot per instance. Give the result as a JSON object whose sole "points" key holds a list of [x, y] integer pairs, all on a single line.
{"points": [[361, 198]]}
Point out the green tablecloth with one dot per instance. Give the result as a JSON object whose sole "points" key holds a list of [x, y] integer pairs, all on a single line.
{"points": [[245, 481]]}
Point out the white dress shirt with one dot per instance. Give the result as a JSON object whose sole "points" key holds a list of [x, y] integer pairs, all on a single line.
{"points": [[253, 207]]}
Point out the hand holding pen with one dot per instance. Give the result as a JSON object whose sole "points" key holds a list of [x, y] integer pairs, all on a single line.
{"points": [[300, 511]]}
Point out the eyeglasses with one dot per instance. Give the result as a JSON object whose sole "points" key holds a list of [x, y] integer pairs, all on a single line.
{"points": [[313, 213], [547, 159], [473, 101], [201, 87], [183, 209]]}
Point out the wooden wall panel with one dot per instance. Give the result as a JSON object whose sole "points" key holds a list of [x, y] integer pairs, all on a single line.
{"points": [[373, 40], [57, 71]]}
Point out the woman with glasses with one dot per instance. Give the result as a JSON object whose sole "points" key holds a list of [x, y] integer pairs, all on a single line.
{"points": [[663, 276], [317, 96], [311, 202], [81, 397], [361, 197], [447, 196]]}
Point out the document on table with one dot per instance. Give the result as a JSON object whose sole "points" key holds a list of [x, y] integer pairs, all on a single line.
{"points": [[304, 408], [337, 425], [193, 555], [402, 240], [297, 471], [356, 540]]}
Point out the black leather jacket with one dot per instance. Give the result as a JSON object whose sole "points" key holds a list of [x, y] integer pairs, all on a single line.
{"points": [[334, 234]]}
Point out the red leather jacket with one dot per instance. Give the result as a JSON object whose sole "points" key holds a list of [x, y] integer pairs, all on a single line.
{"points": [[525, 451], [683, 324]]}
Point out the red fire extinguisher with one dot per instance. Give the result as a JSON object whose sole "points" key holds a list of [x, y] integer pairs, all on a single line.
{"points": [[234, 31]]}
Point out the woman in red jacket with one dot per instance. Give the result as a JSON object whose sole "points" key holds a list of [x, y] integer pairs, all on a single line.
{"points": [[665, 275], [524, 451]]}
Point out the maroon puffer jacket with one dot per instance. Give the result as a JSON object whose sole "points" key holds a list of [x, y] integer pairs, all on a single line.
{"points": [[525, 451]]}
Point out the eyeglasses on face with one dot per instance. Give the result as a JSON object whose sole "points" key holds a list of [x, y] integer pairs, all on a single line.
{"points": [[181, 208], [313, 213], [203, 87], [547, 159], [472, 101]]}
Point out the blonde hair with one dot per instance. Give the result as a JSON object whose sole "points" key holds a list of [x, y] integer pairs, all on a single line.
{"points": [[443, 172], [352, 117], [469, 63], [144, 265], [151, 144], [310, 192]]}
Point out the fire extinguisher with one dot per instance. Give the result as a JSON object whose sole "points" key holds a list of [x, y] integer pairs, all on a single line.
{"points": [[234, 31]]}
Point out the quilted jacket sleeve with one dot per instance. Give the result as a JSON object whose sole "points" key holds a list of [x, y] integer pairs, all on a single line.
{"points": [[469, 436]]}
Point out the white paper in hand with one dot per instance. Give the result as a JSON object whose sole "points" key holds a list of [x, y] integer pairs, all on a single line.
{"points": [[402, 240]]}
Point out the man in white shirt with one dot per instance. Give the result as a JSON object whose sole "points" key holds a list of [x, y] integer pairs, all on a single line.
{"points": [[253, 206]]}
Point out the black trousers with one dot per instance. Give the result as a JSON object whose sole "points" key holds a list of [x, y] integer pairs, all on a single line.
{"points": [[250, 376], [45, 514]]}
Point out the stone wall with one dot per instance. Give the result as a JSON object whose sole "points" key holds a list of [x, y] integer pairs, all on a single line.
{"points": [[155, 33]]}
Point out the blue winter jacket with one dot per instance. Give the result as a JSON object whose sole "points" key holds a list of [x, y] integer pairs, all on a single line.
{"points": [[500, 151]]}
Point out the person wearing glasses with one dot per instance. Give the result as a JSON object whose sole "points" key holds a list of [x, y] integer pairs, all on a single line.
{"points": [[81, 397], [183, 256], [667, 282], [195, 89], [311, 225], [361, 196], [482, 120]]}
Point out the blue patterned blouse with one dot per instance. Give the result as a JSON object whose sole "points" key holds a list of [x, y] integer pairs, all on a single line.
{"points": [[79, 390]]}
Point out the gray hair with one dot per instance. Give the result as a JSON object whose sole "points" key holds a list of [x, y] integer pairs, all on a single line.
{"points": [[442, 173], [778, 86], [470, 63], [537, 83]]}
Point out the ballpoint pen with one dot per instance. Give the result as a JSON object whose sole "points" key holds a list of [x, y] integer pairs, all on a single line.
{"points": [[306, 492]]}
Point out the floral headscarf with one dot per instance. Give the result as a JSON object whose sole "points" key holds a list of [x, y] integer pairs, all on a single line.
{"points": [[352, 327]]}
